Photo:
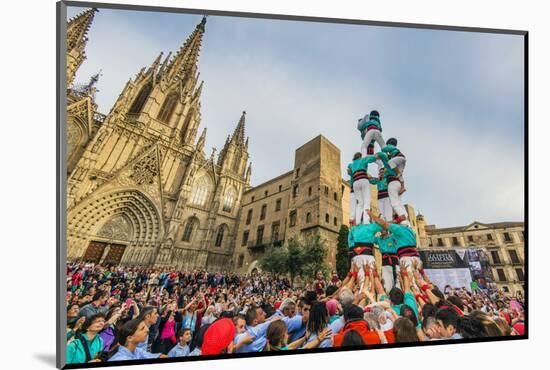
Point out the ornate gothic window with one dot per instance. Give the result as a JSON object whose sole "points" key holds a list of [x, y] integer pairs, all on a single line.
{"points": [[140, 100], [229, 200], [190, 226], [219, 235], [168, 107], [201, 188], [118, 227]]}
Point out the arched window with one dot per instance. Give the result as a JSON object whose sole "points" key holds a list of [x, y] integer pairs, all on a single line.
{"points": [[168, 107], [190, 226], [140, 100], [327, 218], [219, 235], [229, 200], [308, 217], [201, 188]]}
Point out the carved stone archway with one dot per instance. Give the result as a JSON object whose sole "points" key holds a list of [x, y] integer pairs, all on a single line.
{"points": [[124, 215]]}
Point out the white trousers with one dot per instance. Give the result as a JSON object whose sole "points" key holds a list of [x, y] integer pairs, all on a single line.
{"points": [[408, 261], [369, 136], [352, 206], [360, 262], [361, 188], [385, 208], [399, 163], [395, 198], [390, 279]]}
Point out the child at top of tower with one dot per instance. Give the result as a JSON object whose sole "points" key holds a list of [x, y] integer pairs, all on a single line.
{"points": [[371, 130]]}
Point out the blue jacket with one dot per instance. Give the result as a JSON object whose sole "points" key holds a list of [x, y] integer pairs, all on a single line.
{"points": [[124, 354]]}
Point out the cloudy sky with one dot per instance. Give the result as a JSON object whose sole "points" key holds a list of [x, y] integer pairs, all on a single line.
{"points": [[453, 99]]}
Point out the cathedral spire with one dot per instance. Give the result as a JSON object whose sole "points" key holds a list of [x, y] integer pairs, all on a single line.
{"points": [[185, 60], [238, 134], [164, 64], [78, 27], [223, 152], [153, 68], [201, 141], [248, 173], [198, 91]]}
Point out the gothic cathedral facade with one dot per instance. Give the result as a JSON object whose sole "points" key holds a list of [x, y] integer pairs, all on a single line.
{"points": [[140, 188]]}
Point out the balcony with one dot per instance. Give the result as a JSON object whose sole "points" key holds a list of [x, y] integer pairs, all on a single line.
{"points": [[256, 247]]}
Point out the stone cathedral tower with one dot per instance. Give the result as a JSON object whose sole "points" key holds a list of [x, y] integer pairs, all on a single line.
{"points": [[142, 191], [77, 30]]}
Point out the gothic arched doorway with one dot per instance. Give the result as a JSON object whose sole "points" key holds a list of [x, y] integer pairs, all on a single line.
{"points": [[107, 226]]}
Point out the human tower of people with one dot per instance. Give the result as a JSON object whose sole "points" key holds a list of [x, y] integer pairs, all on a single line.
{"points": [[117, 313], [390, 230]]}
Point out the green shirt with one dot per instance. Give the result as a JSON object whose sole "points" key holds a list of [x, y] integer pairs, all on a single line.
{"points": [[361, 164], [386, 245], [404, 235], [384, 158], [391, 150], [381, 185], [366, 123], [363, 233], [409, 300], [350, 173], [75, 350]]}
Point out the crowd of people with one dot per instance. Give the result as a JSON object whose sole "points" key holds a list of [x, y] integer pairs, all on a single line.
{"points": [[123, 313], [119, 313]]}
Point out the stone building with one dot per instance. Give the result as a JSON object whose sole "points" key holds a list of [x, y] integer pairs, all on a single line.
{"points": [[140, 189], [311, 198], [503, 242]]}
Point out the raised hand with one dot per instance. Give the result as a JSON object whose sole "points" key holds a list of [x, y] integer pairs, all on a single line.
{"points": [[324, 334]]}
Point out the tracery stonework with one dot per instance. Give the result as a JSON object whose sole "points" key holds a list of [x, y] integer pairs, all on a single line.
{"points": [[117, 228], [146, 170]]}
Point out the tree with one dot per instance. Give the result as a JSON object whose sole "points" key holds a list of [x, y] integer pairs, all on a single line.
{"points": [[274, 260], [296, 258], [315, 256], [299, 256], [342, 250]]}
